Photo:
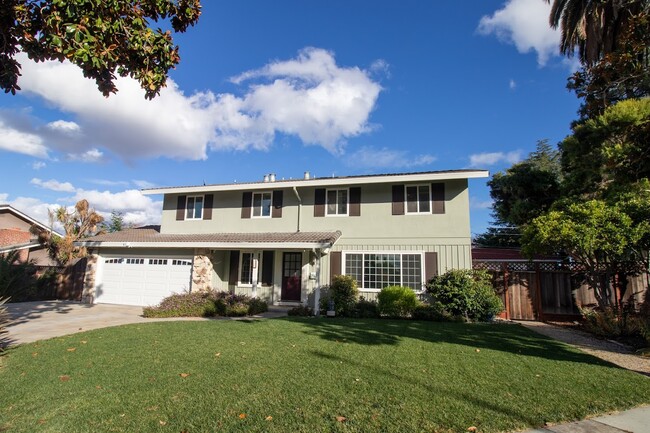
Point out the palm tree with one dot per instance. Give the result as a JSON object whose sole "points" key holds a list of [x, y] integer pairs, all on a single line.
{"points": [[593, 26]]}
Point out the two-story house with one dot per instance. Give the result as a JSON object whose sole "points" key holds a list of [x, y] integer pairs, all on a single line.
{"points": [[281, 240]]}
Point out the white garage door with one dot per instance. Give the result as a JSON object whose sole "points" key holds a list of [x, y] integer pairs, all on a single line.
{"points": [[142, 280]]}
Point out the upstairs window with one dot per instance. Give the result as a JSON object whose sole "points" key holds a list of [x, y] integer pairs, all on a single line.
{"points": [[418, 199], [262, 204], [337, 202], [194, 208]]}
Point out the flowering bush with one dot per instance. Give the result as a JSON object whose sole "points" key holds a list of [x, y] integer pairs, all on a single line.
{"points": [[206, 304]]}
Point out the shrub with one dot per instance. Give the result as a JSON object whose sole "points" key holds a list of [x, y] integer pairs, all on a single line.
{"points": [[467, 293], [302, 310], [206, 304], [430, 313], [397, 301], [4, 322], [344, 292], [611, 322], [257, 306], [195, 304], [238, 309], [365, 309]]}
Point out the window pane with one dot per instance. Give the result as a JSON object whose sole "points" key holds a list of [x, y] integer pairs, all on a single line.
{"points": [[354, 267], [331, 202], [257, 204], [266, 204], [198, 207], [190, 208], [381, 270], [411, 199], [412, 271], [246, 268], [424, 199], [343, 202]]}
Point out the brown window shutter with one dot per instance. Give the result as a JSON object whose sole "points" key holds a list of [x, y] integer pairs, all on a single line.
{"points": [[276, 211], [267, 267], [430, 266], [319, 202], [398, 199], [208, 201], [438, 198], [180, 207], [355, 201], [246, 203], [234, 268], [335, 264]]}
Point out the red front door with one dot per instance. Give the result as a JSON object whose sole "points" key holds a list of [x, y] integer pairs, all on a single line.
{"points": [[291, 276]]}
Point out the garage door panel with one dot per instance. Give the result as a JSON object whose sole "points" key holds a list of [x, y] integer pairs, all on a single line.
{"points": [[142, 281]]}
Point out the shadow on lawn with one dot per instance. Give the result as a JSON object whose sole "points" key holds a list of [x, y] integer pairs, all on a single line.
{"points": [[503, 337], [502, 407]]}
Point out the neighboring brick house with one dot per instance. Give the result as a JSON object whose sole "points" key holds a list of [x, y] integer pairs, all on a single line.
{"points": [[15, 235], [282, 240]]}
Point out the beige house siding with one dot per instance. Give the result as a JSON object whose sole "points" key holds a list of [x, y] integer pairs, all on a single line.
{"points": [[375, 223]]}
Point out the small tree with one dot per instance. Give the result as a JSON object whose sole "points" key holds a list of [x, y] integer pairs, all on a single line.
{"points": [[80, 223], [116, 223], [599, 236]]}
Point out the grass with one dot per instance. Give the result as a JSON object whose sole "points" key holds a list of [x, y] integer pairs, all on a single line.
{"points": [[300, 374]]}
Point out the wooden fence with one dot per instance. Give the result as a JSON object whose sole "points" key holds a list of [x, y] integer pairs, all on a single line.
{"points": [[548, 291], [65, 282]]}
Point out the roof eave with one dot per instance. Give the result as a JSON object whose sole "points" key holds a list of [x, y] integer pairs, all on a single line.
{"points": [[337, 181], [209, 245]]}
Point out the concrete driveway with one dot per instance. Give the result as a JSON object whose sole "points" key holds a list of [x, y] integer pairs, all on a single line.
{"points": [[47, 319]]}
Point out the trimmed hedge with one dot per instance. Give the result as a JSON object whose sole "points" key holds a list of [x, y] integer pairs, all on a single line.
{"points": [[397, 301]]}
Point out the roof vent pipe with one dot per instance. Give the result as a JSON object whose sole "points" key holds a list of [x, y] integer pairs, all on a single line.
{"points": [[272, 177], [307, 175], [266, 178]]}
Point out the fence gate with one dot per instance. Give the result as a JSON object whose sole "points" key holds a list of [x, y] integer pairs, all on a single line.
{"points": [[522, 295]]}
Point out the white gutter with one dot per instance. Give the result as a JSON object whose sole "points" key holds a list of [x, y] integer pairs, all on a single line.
{"points": [[212, 245], [322, 182]]}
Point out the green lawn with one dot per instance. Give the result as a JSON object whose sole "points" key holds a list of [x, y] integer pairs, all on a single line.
{"points": [[299, 375]]}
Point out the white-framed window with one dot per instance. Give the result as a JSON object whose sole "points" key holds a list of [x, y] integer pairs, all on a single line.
{"points": [[247, 268], [337, 202], [376, 270], [134, 261], [194, 207], [114, 261], [418, 199], [262, 204]]}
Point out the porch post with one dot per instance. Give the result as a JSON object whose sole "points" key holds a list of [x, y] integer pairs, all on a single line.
{"points": [[317, 291], [256, 263]]}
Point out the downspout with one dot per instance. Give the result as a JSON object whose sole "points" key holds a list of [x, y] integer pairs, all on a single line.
{"points": [[295, 191]]}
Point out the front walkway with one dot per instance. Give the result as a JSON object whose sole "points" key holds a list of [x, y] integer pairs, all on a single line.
{"points": [[41, 320], [607, 350]]}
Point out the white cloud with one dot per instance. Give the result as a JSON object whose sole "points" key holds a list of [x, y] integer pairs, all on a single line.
{"points": [[53, 185], [512, 84], [524, 23], [475, 203], [310, 97], [492, 158], [137, 209], [37, 165], [143, 184], [27, 143], [370, 157], [92, 155]]}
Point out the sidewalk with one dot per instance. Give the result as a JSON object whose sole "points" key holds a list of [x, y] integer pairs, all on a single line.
{"points": [[631, 421]]}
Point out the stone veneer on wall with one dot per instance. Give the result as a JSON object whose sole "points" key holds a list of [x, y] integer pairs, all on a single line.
{"points": [[202, 272], [88, 295]]}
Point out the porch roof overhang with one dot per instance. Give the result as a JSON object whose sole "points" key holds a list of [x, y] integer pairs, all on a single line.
{"points": [[150, 237]]}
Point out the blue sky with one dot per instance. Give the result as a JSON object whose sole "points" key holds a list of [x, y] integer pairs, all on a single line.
{"points": [[334, 88]]}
